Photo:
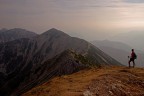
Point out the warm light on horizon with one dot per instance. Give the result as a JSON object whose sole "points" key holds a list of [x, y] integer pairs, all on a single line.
{"points": [[97, 18]]}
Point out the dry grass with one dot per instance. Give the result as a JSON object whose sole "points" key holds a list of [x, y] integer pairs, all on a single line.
{"points": [[114, 81]]}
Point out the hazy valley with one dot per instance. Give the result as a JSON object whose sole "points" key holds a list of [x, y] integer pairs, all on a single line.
{"points": [[120, 51]]}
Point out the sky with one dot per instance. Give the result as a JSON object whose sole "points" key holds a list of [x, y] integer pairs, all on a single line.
{"points": [[88, 19]]}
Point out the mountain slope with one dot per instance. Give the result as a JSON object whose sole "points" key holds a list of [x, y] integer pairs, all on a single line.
{"points": [[64, 63], [13, 34], [25, 63], [112, 81]]}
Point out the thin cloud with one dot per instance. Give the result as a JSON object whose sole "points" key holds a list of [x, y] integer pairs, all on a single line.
{"points": [[134, 1]]}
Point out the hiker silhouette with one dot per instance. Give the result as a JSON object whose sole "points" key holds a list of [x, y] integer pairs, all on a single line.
{"points": [[132, 58]]}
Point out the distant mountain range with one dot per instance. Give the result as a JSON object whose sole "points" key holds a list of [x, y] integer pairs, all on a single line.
{"points": [[119, 51], [16, 33], [134, 39], [29, 61]]}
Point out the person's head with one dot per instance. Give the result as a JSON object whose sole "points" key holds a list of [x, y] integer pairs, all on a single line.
{"points": [[132, 50]]}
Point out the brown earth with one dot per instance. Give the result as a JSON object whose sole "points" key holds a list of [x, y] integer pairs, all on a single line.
{"points": [[114, 81]]}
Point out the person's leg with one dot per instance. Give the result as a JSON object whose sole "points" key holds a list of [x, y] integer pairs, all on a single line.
{"points": [[133, 63]]}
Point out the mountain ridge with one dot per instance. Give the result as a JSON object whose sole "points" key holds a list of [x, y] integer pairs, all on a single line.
{"points": [[24, 60], [13, 34]]}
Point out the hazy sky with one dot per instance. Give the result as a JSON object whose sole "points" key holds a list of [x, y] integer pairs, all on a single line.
{"points": [[89, 19]]}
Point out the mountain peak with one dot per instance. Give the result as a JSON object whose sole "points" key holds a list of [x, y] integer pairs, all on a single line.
{"points": [[54, 31]]}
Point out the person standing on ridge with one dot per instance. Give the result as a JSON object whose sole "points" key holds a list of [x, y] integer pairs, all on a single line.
{"points": [[132, 58]]}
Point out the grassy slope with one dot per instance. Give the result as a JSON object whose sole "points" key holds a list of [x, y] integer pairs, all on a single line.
{"points": [[115, 81]]}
